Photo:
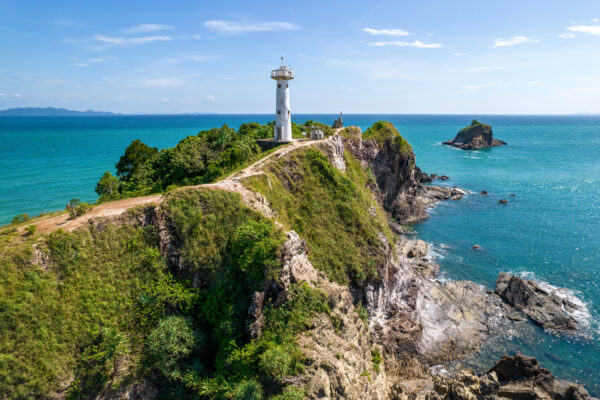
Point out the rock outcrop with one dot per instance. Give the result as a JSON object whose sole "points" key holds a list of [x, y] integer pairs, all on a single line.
{"points": [[544, 308], [398, 179], [476, 136], [414, 314]]}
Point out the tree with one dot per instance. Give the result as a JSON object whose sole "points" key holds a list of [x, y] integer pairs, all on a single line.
{"points": [[107, 186], [136, 154]]}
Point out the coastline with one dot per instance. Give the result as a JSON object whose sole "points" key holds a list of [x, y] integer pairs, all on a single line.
{"points": [[467, 198]]}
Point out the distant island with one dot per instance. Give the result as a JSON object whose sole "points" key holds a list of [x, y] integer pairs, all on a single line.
{"points": [[476, 136], [51, 112]]}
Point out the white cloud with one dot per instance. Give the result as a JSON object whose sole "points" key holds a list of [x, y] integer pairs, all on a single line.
{"points": [[387, 32], [416, 43], [145, 28], [590, 29], [17, 95], [132, 40], [195, 37], [514, 41], [162, 82], [188, 58], [566, 35], [459, 54], [87, 62], [210, 97], [237, 27]]}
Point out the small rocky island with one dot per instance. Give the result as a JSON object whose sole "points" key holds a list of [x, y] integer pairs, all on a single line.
{"points": [[476, 136]]}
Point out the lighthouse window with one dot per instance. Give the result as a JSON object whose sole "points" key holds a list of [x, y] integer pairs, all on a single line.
{"points": [[279, 85], [278, 111], [286, 85]]}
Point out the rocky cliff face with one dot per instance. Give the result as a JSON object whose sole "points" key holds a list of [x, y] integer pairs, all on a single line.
{"points": [[476, 136], [398, 179], [414, 320]]}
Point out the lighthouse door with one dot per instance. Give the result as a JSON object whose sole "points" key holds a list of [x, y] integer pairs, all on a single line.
{"points": [[278, 132]]}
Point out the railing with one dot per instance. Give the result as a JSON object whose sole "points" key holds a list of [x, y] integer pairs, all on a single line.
{"points": [[282, 73]]}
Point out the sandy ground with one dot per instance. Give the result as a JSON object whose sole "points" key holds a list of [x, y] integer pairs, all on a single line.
{"points": [[115, 208]]}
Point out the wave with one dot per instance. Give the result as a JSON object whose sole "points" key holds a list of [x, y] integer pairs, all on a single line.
{"points": [[437, 252], [580, 311]]}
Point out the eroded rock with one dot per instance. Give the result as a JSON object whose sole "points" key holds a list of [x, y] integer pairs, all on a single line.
{"points": [[544, 308]]}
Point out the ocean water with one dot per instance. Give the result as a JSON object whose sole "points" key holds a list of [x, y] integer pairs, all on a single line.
{"points": [[549, 231]]}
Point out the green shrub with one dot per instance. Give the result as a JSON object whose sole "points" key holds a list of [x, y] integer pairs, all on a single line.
{"points": [[19, 219], [30, 229], [362, 312], [278, 362], [376, 358], [170, 342], [76, 208], [291, 393]]}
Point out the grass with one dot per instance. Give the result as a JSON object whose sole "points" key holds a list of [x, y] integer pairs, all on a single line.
{"points": [[381, 131], [48, 315], [328, 208]]}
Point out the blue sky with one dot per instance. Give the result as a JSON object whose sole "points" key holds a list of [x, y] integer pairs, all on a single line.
{"points": [[508, 57]]}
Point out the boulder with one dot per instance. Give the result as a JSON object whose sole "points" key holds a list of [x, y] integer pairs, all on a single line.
{"points": [[545, 309], [473, 137]]}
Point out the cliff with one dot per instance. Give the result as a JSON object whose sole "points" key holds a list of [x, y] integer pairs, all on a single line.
{"points": [[286, 280], [473, 137]]}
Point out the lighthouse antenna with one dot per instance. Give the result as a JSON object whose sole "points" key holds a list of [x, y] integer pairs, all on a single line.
{"points": [[281, 60]]}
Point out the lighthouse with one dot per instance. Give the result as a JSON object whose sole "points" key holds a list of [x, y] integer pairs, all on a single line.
{"points": [[283, 116]]}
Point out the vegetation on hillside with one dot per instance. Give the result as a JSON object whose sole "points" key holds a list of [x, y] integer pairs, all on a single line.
{"points": [[198, 159], [334, 211], [100, 308], [383, 130], [464, 132]]}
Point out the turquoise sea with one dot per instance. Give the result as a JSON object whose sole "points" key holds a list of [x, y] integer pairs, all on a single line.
{"points": [[550, 231]]}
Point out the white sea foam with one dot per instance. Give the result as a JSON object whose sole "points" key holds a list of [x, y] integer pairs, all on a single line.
{"points": [[581, 312], [436, 252]]}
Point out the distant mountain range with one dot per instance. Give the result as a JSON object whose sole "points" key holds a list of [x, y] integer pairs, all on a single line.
{"points": [[50, 112]]}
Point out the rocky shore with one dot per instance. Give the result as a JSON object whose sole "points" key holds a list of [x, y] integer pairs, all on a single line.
{"points": [[543, 307], [417, 321]]}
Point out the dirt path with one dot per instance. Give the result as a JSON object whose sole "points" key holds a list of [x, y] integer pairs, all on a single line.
{"points": [[115, 208]]}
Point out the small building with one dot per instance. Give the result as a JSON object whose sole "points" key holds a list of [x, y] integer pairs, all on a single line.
{"points": [[316, 133], [338, 123]]}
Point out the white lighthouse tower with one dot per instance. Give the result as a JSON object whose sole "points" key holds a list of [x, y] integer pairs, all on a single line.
{"points": [[283, 115]]}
